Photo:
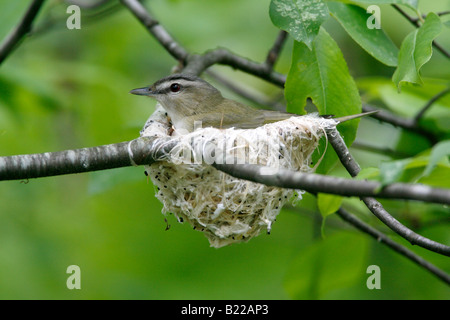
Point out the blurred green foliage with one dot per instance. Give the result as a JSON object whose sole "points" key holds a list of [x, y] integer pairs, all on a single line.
{"points": [[64, 89]]}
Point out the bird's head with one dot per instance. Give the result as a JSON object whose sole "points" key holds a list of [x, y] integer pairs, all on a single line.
{"points": [[182, 94]]}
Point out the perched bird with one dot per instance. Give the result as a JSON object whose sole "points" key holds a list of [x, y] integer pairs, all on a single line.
{"points": [[188, 99]]}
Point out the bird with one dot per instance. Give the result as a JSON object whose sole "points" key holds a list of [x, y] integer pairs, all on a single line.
{"points": [[188, 99]]}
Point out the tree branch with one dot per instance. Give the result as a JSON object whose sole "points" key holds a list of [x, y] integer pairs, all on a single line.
{"points": [[314, 183], [407, 124], [144, 150], [196, 64], [158, 31], [20, 30], [440, 14], [381, 237], [420, 114], [139, 151], [274, 52], [375, 207]]}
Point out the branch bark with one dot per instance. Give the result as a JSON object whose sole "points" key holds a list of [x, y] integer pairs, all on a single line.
{"points": [[143, 151], [139, 151]]}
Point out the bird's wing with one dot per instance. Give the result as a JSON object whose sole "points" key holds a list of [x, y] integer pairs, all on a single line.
{"points": [[274, 116], [225, 121]]}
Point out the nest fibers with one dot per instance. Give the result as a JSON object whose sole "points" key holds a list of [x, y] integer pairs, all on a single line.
{"points": [[224, 208]]}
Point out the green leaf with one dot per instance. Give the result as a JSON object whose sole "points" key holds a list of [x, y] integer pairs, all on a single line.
{"points": [[322, 75], [440, 150], [416, 50], [301, 18], [369, 173], [392, 171], [328, 203], [439, 177], [429, 167], [354, 20]]}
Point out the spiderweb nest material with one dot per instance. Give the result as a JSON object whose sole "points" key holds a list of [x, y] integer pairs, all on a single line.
{"points": [[226, 209]]}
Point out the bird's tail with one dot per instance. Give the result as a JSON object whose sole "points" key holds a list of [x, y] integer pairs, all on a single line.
{"points": [[354, 116]]}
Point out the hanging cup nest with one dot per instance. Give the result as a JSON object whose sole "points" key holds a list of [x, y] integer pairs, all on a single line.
{"points": [[226, 209]]}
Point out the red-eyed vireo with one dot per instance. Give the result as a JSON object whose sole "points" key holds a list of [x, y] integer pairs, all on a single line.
{"points": [[189, 99]]}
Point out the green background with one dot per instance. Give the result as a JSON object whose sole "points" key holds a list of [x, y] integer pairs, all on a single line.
{"points": [[65, 89]]}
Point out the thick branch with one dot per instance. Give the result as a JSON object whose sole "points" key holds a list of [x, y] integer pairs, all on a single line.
{"points": [[144, 150], [124, 154], [20, 30]]}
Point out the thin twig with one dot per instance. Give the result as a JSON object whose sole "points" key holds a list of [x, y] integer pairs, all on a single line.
{"points": [[274, 52], [158, 31], [408, 124], [435, 98], [414, 238], [381, 237], [376, 207], [196, 64], [20, 30], [440, 14]]}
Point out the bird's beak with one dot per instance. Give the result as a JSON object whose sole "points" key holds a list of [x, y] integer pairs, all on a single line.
{"points": [[146, 91]]}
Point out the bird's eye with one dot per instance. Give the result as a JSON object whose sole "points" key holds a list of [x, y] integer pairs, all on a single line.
{"points": [[175, 87]]}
